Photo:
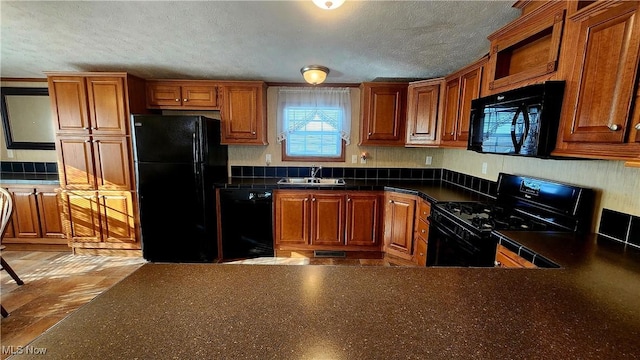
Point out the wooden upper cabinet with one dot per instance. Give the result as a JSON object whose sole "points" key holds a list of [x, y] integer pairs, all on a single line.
{"points": [[107, 108], [383, 114], [600, 114], [243, 113], [363, 219], [182, 94], [89, 105], [69, 104], [422, 112], [526, 50], [327, 218], [460, 89]]}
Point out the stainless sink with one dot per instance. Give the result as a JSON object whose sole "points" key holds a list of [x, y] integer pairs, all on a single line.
{"points": [[311, 181]]}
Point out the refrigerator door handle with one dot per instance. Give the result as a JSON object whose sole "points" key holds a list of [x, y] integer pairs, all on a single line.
{"points": [[195, 153]]}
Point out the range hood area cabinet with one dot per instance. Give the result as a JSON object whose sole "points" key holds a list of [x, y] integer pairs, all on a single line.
{"points": [[601, 110], [383, 113], [91, 113]]}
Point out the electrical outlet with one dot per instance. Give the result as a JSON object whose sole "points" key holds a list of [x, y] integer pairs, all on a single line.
{"points": [[267, 159], [429, 160], [363, 160], [10, 154], [354, 159], [484, 167]]}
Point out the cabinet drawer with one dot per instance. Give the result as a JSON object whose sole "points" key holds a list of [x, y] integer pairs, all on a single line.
{"points": [[424, 210], [423, 230], [421, 252], [508, 259]]}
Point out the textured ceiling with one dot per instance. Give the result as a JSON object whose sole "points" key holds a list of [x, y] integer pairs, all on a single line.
{"points": [[257, 40]]}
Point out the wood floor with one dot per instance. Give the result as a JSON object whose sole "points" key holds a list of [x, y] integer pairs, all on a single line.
{"points": [[58, 283]]}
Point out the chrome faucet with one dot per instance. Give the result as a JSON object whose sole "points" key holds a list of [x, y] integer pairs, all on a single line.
{"points": [[314, 171]]}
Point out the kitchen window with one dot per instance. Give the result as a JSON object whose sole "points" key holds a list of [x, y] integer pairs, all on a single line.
{"points": [[314, 124]]}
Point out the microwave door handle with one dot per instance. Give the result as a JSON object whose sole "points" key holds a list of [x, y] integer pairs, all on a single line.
{"points": [[517, 143]]}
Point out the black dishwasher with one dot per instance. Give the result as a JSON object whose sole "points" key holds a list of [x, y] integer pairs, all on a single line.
{"points": [[246, 223]]}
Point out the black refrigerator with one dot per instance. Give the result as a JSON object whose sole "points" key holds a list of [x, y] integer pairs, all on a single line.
{"points": [[178, 159]]}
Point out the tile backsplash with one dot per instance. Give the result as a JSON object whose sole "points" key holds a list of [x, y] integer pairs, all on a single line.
{"points": [[29, 167], [620, 227]]}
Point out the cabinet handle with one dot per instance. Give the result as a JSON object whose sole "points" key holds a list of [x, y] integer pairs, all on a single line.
{"points": [[421, 254], [370, 134], [424, 213], [313, 199], [637, 126], [94, 128], [185, 100], [87, 141], [348, 199], [307, 199], [86, 128], [613, 127], [424, 231], [253, 133], [177, 100], [390, 201], [413, 134], [452, 134]]}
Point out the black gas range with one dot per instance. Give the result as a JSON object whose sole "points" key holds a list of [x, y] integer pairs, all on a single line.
{"points": [[460, 232]]}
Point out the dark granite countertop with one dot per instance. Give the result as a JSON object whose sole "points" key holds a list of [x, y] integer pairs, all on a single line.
{"points": [[432, 190], [213, 311], [29, 178]]}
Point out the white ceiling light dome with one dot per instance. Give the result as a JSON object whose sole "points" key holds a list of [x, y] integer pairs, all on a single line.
{"points": [[328, 4], [314, 74]]}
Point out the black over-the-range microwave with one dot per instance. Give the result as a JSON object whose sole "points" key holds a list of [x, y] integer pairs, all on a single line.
{"points": [[522, 122]]}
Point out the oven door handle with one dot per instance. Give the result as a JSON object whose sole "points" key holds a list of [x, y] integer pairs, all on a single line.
{"points": [[440, 227]]}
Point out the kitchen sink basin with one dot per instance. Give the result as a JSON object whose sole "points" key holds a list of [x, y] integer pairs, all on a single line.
{"points": [[311, 181]]}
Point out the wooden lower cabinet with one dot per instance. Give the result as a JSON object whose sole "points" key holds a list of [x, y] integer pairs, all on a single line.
{"points": [[506, 258], [100, 219], [327, 220], [399, 222], [422, 232], [36, 217]]}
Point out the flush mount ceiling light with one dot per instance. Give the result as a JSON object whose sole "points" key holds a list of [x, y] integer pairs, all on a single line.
{"points": [[314, 74], [328, 4]]}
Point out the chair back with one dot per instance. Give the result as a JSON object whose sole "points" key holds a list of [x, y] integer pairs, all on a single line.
{"points": [[6, 208]]}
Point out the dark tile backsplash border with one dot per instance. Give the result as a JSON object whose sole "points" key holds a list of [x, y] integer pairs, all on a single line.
{"points": [[28, 167], [621, 227], [468, 182]]}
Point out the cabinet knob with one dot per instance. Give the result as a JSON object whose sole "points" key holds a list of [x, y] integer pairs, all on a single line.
{"points": [[424, 213], [87, 141], [307, 199], [253, 133], [314, 199], [86, 128], [421, 254], [185, 100], [452, 134], [370, 134], [413, 134], [424, 231], [390, 201], [614, 127], [177, 100], [348, 199], [94, 128], [637, 126]]}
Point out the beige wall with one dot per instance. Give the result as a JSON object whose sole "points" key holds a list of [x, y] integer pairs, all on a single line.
{"points": [[26, 155]]}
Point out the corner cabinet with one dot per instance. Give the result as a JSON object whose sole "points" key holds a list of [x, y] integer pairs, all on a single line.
{"points": [[601, 112], [383, 113], [423, 112], [243, 113], [91, 113], [307, 220], [459, 89]]}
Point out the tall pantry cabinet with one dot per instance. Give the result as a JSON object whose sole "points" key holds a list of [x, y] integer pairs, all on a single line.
{"points": [[91, 113]]}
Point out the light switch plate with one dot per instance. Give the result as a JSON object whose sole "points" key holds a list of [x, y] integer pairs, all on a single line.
{"points": [[484, 167], [429, 160], [354, 159], [267, 159]]}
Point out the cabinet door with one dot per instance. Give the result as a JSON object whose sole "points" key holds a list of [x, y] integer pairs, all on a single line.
{"points": [[50, 217], [117, 217], [76, 161], [383, 114], [292, 217], [469, 90], [111, 156], [242, 115], [363, 219], [164, 95], [69, 104], [602, 88], [327, 219], [25, 213], [8, 231], [451, 105], [422, 114], [107, 109], [399, 223], [199, 96], [81, 209]]}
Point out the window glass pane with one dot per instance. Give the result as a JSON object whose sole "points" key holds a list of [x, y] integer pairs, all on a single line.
{"points": [[313, 131]]}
